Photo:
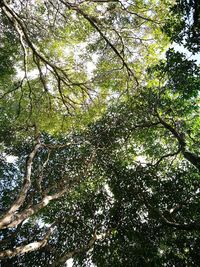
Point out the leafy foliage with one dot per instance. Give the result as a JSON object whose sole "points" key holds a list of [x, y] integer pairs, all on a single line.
{"points": [[104, 163], [182, 25]]}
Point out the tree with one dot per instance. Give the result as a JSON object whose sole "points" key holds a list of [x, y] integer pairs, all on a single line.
{"points": [[183, 24], [114, 183], [55, 70]]}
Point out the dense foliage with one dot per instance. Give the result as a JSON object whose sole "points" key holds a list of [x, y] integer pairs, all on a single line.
{"points": [[183, 24], [99, 134]]}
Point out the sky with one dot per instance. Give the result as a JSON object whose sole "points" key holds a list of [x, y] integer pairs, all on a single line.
{"points": [[181, 49]]}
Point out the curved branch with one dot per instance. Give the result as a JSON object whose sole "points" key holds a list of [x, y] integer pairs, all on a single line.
{"points": [[68, 255], [25, 214], [184, 226], [95, 26], [10, 214], [59, 73], [9, 253], [168, 155], [191, 157]]}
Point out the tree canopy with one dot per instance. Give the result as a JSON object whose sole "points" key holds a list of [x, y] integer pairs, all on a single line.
{"points": [[99, 133]]}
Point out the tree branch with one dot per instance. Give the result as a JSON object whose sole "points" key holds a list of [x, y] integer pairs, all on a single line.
{"points": [[10, 214], [191, 157], [9, 253], [185, 226], [95, 26], [25, 214], [68, 255]]}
